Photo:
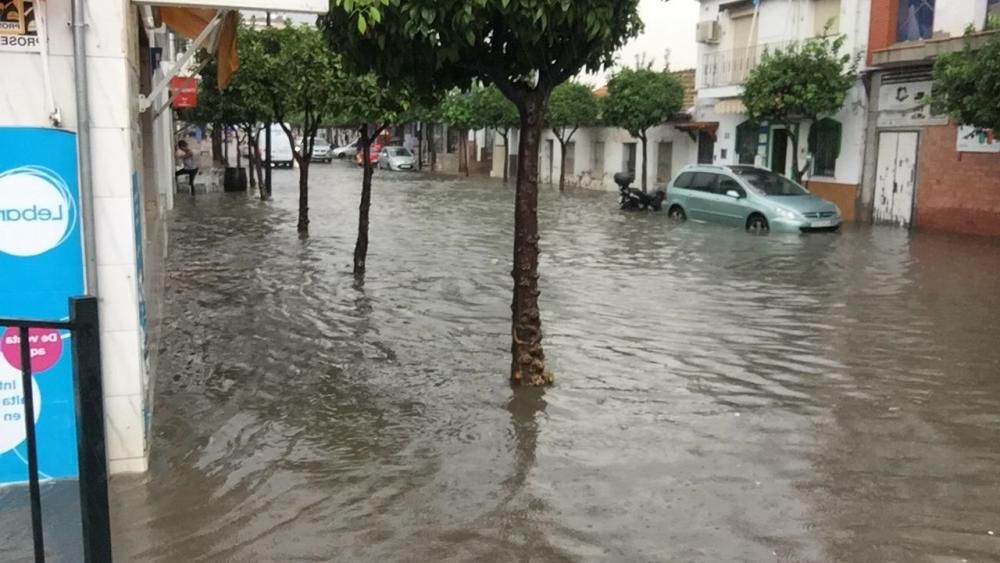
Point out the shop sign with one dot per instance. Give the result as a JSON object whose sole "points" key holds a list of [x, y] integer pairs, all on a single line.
{"points": [[18, 26]]}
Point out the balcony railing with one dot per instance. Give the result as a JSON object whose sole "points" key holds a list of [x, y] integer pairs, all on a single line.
{"points": [[732, 67]]}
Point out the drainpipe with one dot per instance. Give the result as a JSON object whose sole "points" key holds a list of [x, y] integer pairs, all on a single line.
{"points": [[83, 145]]}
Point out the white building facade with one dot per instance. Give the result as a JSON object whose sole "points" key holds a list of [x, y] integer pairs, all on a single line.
{"points": [[732, 37], [595, 154]]}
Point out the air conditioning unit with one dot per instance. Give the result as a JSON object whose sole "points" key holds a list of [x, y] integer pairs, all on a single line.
{"points": [[708, 32]]}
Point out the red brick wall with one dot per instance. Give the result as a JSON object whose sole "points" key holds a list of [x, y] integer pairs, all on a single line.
{"points": [[882, 25], [956, 191]]}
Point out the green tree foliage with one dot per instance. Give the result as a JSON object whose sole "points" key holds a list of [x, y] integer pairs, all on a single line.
{"points": [[967, 84], [459, 112], [298, 77], [639, 99], [526, 48], [571, 106], [494, 111], [798, 84]]}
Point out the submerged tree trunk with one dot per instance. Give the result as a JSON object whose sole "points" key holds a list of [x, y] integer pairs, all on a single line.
{"points": [[217, 144], [303, 158], [645, 167], [251, 158], [528, 358], [562, 165], [463, 152], [433, 142], [794, 136], [361, 247], [420, 148], [303, 225]]}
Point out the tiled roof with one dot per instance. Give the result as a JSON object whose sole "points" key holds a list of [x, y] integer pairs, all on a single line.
{"points": [[685, 77]]}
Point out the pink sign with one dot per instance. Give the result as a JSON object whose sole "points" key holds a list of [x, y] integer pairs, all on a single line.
{"points": [[45, 345]]}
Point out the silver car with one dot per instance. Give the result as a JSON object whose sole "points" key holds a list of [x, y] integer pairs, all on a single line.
{"points": [[753, 198], [396, 158]]}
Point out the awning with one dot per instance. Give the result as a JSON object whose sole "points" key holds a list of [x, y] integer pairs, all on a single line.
{"points": [[192, 23], [731, 105], [692, 128]]}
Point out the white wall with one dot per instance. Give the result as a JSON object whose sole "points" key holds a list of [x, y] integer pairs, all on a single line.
{"points": [[116, 137], [614, 140]]}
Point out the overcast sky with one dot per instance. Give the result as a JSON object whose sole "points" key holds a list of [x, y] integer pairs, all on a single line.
{"points": [[669, 25]]}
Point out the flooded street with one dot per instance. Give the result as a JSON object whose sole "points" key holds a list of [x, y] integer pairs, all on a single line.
{"points": [[719, 397]]}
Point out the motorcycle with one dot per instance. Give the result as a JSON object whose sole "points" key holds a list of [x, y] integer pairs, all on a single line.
{"points": [[630, 198]]}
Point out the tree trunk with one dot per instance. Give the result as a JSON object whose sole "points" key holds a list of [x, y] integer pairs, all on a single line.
{"points": [[434, 153], [645, 167], [361, 248], [463, 152], [303, 225], [528, 358], [506, 157], [420, 148], [267, 162], [216, 144], [225, 146], [796, 173], [562, 165], [251, 159]]}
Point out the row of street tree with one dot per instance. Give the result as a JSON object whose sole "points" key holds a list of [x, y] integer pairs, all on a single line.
{"points": [[505, 66], [378, 62]]}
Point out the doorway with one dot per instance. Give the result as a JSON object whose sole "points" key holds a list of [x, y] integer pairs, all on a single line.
{"points": [[895, 178], [706, 148], [628, 158], [547, 161], [664, 162], [779, 150]]}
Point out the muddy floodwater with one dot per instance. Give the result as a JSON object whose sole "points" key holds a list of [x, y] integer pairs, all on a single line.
{"points": [[720, 397]]}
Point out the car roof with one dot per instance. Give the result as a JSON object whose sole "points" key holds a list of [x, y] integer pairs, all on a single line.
{"points": [[721, 168]]}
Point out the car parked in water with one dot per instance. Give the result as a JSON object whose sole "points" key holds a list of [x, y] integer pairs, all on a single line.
{"points": [[321, 151], [346, 151], [755, 199], [396, 158], [373, 155]]}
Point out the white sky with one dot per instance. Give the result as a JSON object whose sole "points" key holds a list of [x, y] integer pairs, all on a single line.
{"points": [[669, 25]]}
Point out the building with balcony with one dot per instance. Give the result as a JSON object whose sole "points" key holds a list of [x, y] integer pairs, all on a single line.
{"points": [[920, 169], [732, 38]]}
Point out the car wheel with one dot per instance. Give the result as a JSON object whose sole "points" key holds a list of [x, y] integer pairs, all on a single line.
{"points": [[676, 213], [757, 224]]}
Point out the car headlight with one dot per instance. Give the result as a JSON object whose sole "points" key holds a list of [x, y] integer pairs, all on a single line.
{"points": [[837, 208], [787, 213]]}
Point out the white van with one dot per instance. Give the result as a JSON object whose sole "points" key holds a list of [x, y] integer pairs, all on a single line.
{"points": [[281, 149]]}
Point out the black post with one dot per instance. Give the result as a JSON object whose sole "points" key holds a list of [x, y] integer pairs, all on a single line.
{"points": [[29, 430], [95, 513]]}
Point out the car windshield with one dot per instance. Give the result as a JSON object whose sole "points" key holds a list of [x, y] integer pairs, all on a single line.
{"points": [[399, 151], [769, 183]]}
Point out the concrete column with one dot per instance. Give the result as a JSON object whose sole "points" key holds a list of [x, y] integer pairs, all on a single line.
{"points": [[866, 195]]}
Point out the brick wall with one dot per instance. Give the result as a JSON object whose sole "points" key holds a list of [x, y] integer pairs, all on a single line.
{"points": [[957, 192], [882, 25]]}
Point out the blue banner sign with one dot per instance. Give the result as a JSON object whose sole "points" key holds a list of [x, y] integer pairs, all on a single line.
{"points": [[41, 267]]}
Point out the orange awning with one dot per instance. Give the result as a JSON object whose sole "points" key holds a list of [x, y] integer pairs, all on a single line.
{"points": [[190, 22]]}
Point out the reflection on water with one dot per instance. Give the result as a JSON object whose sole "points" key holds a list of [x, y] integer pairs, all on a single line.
{"points": [[720, 397]]}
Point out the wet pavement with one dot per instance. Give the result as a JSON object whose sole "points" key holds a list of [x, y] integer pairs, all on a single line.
{"points": [[719, 397]]}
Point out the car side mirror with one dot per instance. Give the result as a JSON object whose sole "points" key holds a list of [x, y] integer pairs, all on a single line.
{"points": [[734, 194]]}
